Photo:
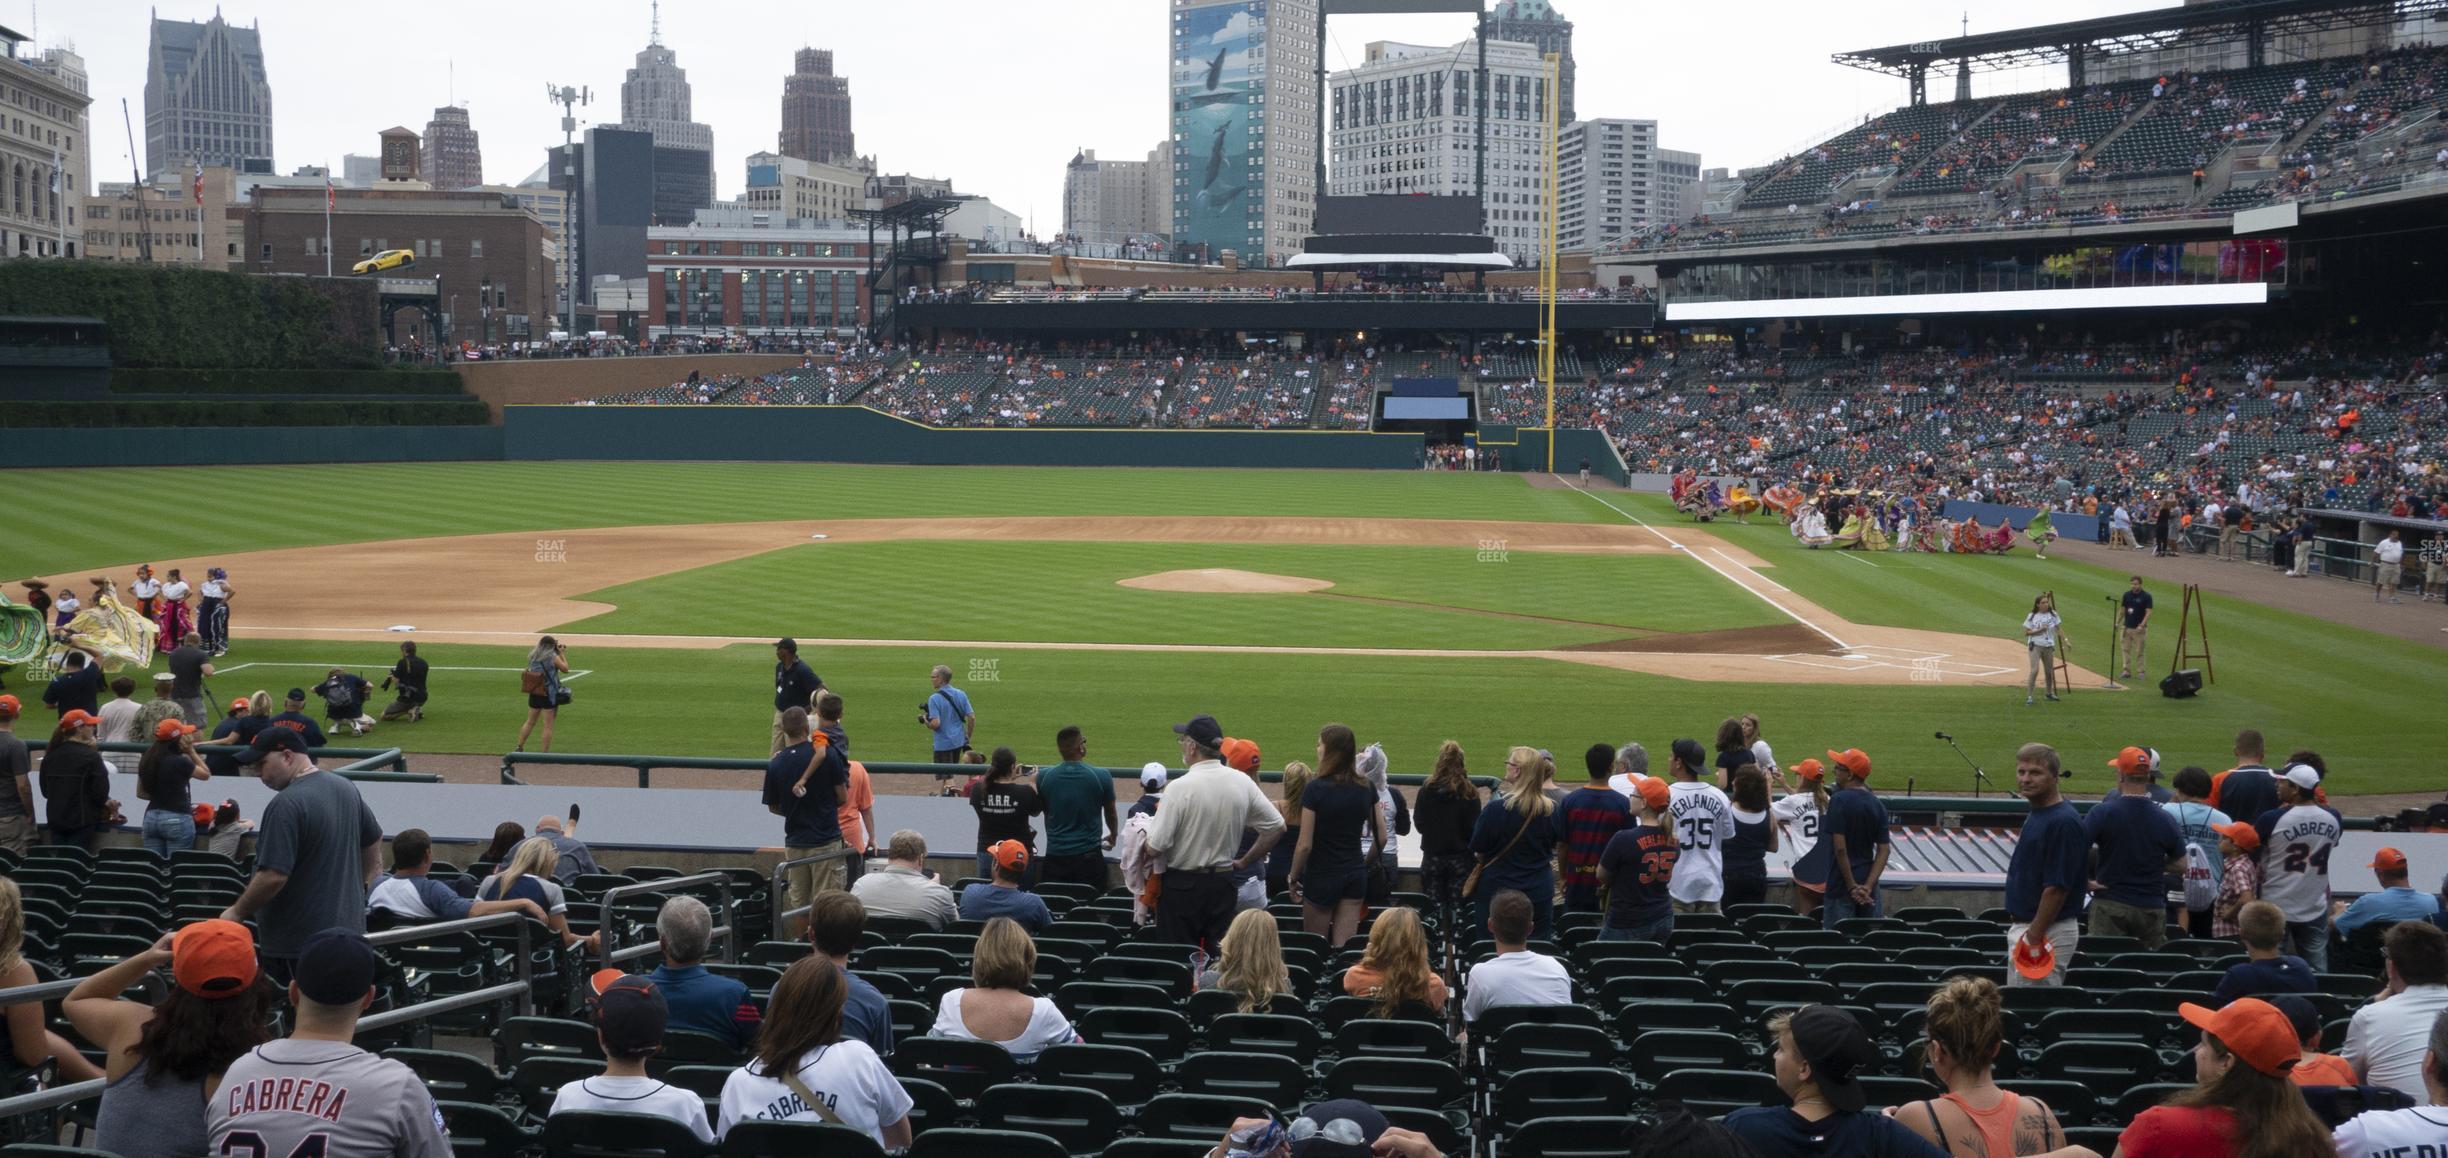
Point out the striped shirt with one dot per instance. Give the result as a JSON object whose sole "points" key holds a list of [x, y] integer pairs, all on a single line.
{"points": [[1592, 816]]}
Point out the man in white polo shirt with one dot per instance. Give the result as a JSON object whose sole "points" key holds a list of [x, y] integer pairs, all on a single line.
{"points": [[2391, 554], [1515, 975], [1198, 831], [2386, 1040]]}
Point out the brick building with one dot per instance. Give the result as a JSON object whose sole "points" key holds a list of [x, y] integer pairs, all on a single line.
{"points": [[755, 273], [816, 111], [452, 157], [487, 254]]}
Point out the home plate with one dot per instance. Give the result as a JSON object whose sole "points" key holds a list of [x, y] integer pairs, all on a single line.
{"points": [[820, 536]]}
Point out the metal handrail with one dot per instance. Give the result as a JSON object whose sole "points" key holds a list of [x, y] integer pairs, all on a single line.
{"points": [[521, 990], [781, 895], [607, 928], [362, 760], [645, 766]]}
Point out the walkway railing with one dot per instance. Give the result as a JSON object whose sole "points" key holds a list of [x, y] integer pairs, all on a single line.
{"points": [[520, 991], [609, 948], [373, 765], [646, 766], [781, 894]]}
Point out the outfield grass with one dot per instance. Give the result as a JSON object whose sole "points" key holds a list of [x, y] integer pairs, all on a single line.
{"points": [[2370, 704], [68, 519], [1066, 592]]}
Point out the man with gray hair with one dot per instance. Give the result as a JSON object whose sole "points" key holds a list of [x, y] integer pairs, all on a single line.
{"points": [[699, 1000], [946, 713], [903, 890], [1631, 767]]}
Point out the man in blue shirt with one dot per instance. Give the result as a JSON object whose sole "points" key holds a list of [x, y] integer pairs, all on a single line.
{"points": [[2046, 879], [1079, 809], [408, 893], [2262, 929], [1593, 814], [293, 714], [946, 713], [835, 925], [810, 811], [2138, 846], [78, 687], [699, 1000], [1004, 897], [2396, 901], [1855, 828]]}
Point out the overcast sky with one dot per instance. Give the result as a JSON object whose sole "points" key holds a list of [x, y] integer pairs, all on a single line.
{"points": [[994, 94]]}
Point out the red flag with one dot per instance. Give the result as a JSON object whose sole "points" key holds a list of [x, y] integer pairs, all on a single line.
{"points": [[328, 197], [199, 182]]}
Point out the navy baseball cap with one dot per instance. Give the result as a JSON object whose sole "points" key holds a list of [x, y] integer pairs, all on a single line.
{"points": [[1203, 729], [1838, 1052], [335, 967], [298, 694], [273, 739], [631, 1012]]}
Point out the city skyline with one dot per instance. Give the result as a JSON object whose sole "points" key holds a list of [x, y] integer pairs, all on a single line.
{"points": [[937, 118]]}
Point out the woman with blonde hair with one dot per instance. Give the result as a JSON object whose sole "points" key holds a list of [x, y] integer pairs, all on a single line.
{"points": [[1974, 1117], [1394, 969], [1250, 963], [1515, 842], [27, 1041], [1447, 810], [1287, 805], [527, 874], [996, 1006]]}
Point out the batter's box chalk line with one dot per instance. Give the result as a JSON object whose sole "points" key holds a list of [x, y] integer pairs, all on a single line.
{"points": [[1870, 657]]}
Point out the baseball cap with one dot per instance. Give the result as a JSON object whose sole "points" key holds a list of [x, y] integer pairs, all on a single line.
{"points": [[1690, 753], [335, 967], [2388, 860], [1809, 769], [1152, 776], [2253, 1030], [272, 740], [239, 704], [630, 1012], [1654, 792], [1241, 755], [173, 729], [9, 706], [2035, 963], [1203, 729], [1009, 854], [2154, 762], [2245, 836], [2302, 776], [1338, 1128], [2132, 762], [298, 694], [1837, 1050], [2301, 1014], [203, 814], [163, 677], [79, 718], [215, 959], [1852, 760]]}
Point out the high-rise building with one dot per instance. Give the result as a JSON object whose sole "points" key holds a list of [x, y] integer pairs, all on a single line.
{"points": [[615, 202], [1538, 24], [1402, 122], [44, 157], [1108, 202], [1243, 89], [1612, 178], [162, 222], [816, 110], [207, 97], [452, 158], [359, 169], [790, 188], [655, 99]]}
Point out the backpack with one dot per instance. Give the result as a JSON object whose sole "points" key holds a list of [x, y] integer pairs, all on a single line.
{"points": [[340, 695], [2201, 886]]}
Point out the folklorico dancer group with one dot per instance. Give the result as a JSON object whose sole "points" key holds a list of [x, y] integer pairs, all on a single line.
{"points": [[1862, 520], [119, 633]]}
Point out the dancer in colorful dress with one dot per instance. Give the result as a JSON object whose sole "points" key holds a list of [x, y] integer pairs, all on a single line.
{"points": [[212, 620], [2041, 532], [147, 592], [175, 617]]}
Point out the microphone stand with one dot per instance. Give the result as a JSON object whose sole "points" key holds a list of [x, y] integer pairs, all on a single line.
{"points": [[2116, 621], [1979, 778]]}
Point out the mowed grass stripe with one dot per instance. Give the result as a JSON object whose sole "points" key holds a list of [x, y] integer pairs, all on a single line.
{"points": [[1067, 592], [168, 511]]}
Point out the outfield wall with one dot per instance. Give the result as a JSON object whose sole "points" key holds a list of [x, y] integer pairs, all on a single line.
{"points": [[214, 446], [856, 434]]}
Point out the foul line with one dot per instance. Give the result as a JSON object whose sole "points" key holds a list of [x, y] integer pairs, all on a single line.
{"points": [[1720, 552], [218, 670], [1728, 576], [1857, 559]]}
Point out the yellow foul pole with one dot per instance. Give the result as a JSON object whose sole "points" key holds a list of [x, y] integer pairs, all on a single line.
{"points": [[1547, 257]]}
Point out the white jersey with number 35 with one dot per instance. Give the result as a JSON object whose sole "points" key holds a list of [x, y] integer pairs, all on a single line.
{"points": [[1701, 818], [323, 1099]]}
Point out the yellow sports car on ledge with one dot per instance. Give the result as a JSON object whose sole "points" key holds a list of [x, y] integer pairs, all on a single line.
{"points": [[387, 259]]}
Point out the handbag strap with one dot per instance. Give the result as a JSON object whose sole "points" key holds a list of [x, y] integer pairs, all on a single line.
{"points": [[791, 1079], [1518, 834]]}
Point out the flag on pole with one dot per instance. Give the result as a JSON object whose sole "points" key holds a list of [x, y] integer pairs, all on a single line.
{"points": [[199, 181], [329, 200], [55, 170]]}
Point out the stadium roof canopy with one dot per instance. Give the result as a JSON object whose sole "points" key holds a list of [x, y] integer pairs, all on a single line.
{"points": [[2251, 21]]}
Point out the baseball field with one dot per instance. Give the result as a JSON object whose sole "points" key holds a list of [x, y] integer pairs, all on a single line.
{"points": [[1416, 607]]}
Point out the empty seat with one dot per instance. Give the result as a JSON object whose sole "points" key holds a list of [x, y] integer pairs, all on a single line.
{"points": [[962, 1066], [755, 1139], [1386, 1081], [1120, 1072], [1081, 1120], [1271, 1078], [1578, 1091], [1711, 1093]]}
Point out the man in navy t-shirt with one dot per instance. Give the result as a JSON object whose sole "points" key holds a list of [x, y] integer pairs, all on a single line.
{"points": [[2250, 788], [2138, 846], [2049, 874], [1003, 897], [811, 813], [1855, 828]]}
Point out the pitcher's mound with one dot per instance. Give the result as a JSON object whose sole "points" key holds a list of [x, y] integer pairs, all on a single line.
{"points": [[1225, 581]]}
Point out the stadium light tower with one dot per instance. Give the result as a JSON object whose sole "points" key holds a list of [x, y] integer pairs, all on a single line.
{"points": [[569, 99]]}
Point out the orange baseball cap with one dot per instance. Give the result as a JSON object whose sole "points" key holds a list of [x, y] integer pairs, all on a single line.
{"points": [[1010, 854], [203, 814], [213, 959], [1654, 792], [9, 706], [80, 718], [2035, 963], [2132, 762], [2245, 836], [1852, 760], [172, 729], [2388, 860], [239, 704], [1240, 755], [1809, 769], [2251, 1029]]}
